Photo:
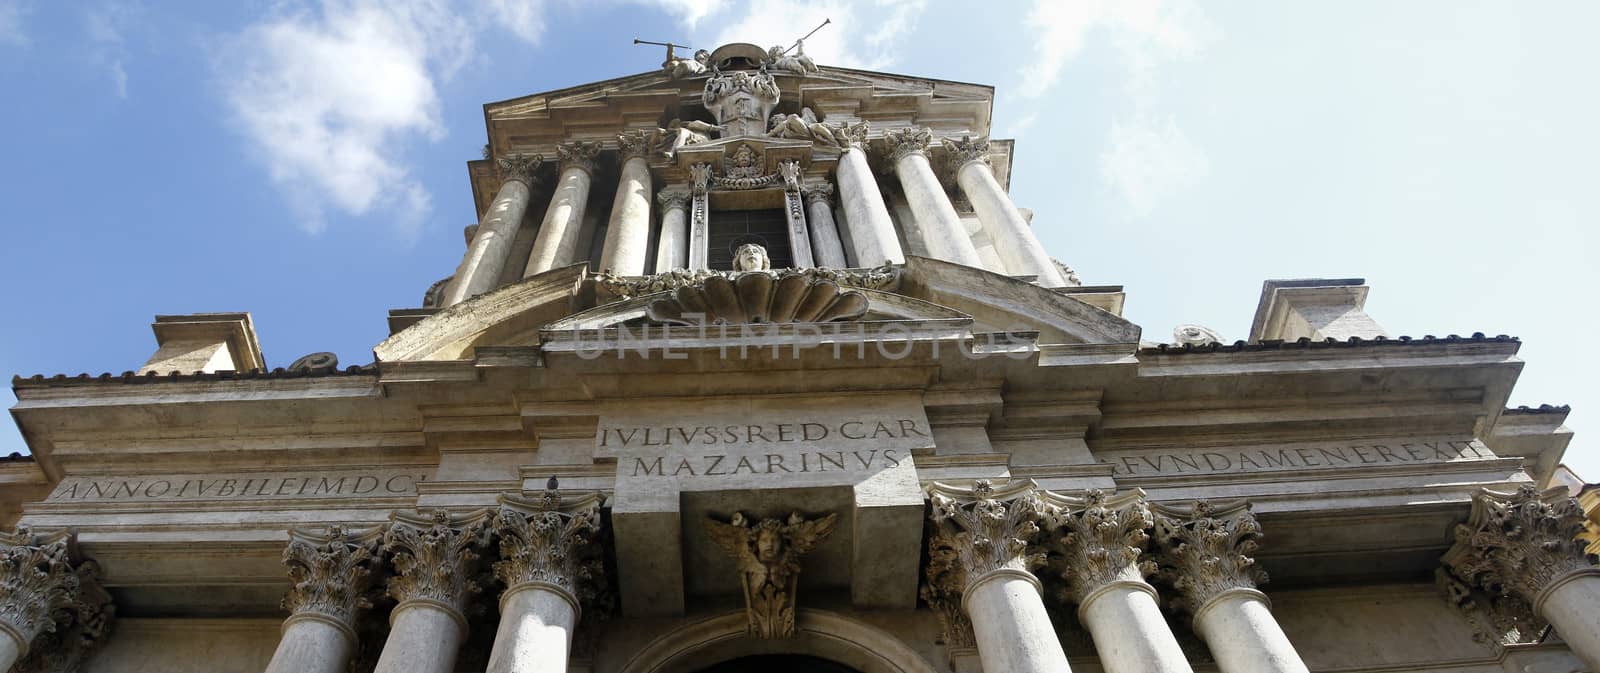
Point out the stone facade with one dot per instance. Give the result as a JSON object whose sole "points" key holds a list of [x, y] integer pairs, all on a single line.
{"points": [[926, 447]]}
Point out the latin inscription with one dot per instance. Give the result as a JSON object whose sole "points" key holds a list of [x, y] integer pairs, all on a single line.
{"points": [[758, 434], [236, 487], [1221, 461], [717, 465]]}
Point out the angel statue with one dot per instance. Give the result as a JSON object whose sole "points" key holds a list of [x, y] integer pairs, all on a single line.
{"points": [[679, 68], [799, 63], [803, 126], [768, 557]]}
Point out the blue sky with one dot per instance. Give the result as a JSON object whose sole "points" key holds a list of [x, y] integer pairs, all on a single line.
{"points": [[305, 161]]}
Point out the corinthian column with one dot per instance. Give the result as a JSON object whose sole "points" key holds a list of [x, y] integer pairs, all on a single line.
{"points": [[486, 255], [825, 244], [672, 250], [1101, 540], [36, 582], [979, 543], [1205, 554], [1525, 544], [872, 234], [628, 235], [1013, 239], [435, 559], [331, 575], [946, 237], [550, 560], [557, 242]]}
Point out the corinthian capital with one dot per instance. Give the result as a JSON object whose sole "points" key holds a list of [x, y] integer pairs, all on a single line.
{"points": [[520, 167], [637, 143], [1102, 538], [435, 557], [1204, 551], [579, 154], [901, 143], [1521, 543], [37, 583], [550, 542], [966, 150], [986, 529], [331, 572], [818, 192], [673, 197]]}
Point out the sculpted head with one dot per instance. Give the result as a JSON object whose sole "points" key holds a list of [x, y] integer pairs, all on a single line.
{"points": [[751, 257], [769, 541]]}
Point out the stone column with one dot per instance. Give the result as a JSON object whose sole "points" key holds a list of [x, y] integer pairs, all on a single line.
{"points": [[331, 575], [1524, 544], [825, 244], [672, 250], [550, 560], [1101, 539], [1204, 553], [946, 238], [979, 562], [1013, 238], [557, 242], [872, 234], [435, 559], [36, 582], [491, 246], [628, 235]]}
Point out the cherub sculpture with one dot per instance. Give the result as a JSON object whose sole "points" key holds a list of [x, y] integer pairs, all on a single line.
{"points": [[768, 558]]}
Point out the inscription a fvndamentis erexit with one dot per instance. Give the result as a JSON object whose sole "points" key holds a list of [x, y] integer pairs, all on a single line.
{"points": [[1294, 456]]}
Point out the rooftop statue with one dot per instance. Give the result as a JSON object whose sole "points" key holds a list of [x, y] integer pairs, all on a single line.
{"points": [[799, 63], [678, 67]]}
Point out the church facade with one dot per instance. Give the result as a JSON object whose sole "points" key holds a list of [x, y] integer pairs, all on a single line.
{"points": [[754, 365]]}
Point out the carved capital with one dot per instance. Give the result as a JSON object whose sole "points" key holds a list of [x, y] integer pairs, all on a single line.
{"points": [[519, 167], [82, 628], [1496, 620], [966, 150], [38, 585], [845, 137], [818, 192], [900, 143], [637, 143], [944, 581], [331, 572], [673, 197], [550, 542], [767, 554], [985, 529], [1204, 551], [1101, 539], [579, 154], [1520, 543], [435, 556]]}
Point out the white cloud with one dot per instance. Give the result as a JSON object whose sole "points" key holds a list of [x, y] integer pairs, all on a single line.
{"points": [[105, 26], [12, 13], [862, 35], [1144, 31], [1148, 160]]}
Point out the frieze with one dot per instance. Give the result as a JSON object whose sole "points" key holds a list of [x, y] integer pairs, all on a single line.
{"points": [[1288, 457], [240, 486]]}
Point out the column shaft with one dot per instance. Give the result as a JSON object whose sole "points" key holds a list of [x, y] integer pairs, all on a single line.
{"points": [[628, 236], [946, 237], [486, 256], [825, 243], [557, 242], [672, 250], [871, 231], [1129, 631], [1569, 604], [311, 645], [423, 638], [1013, 630], [11, 649], [535, 632], [1013, 239], [1244, 637]]}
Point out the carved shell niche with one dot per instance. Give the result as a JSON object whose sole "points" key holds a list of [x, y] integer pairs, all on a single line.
{"points": [[758, 297]]}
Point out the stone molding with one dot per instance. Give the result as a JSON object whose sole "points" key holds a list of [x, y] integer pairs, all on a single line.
{"points": [[579, 154], [331, 573], [676, 196], [1204, 551], [759, 297], [903, 142], [818, 192], [520, 168], [636, 144], [624, 287], [985, 530], [550, 543], [767, 554], [434, 556], [1522, 543], [1101, 539]]}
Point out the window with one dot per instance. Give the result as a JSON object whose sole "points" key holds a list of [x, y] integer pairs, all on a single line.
{"points": [[730, 229]]}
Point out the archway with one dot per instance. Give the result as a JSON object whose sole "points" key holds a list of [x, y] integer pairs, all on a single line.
{"points": [[778, 663], [848, 645]]}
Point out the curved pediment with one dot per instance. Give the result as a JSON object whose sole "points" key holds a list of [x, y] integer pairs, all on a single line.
{"points": [[880, 306]]}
